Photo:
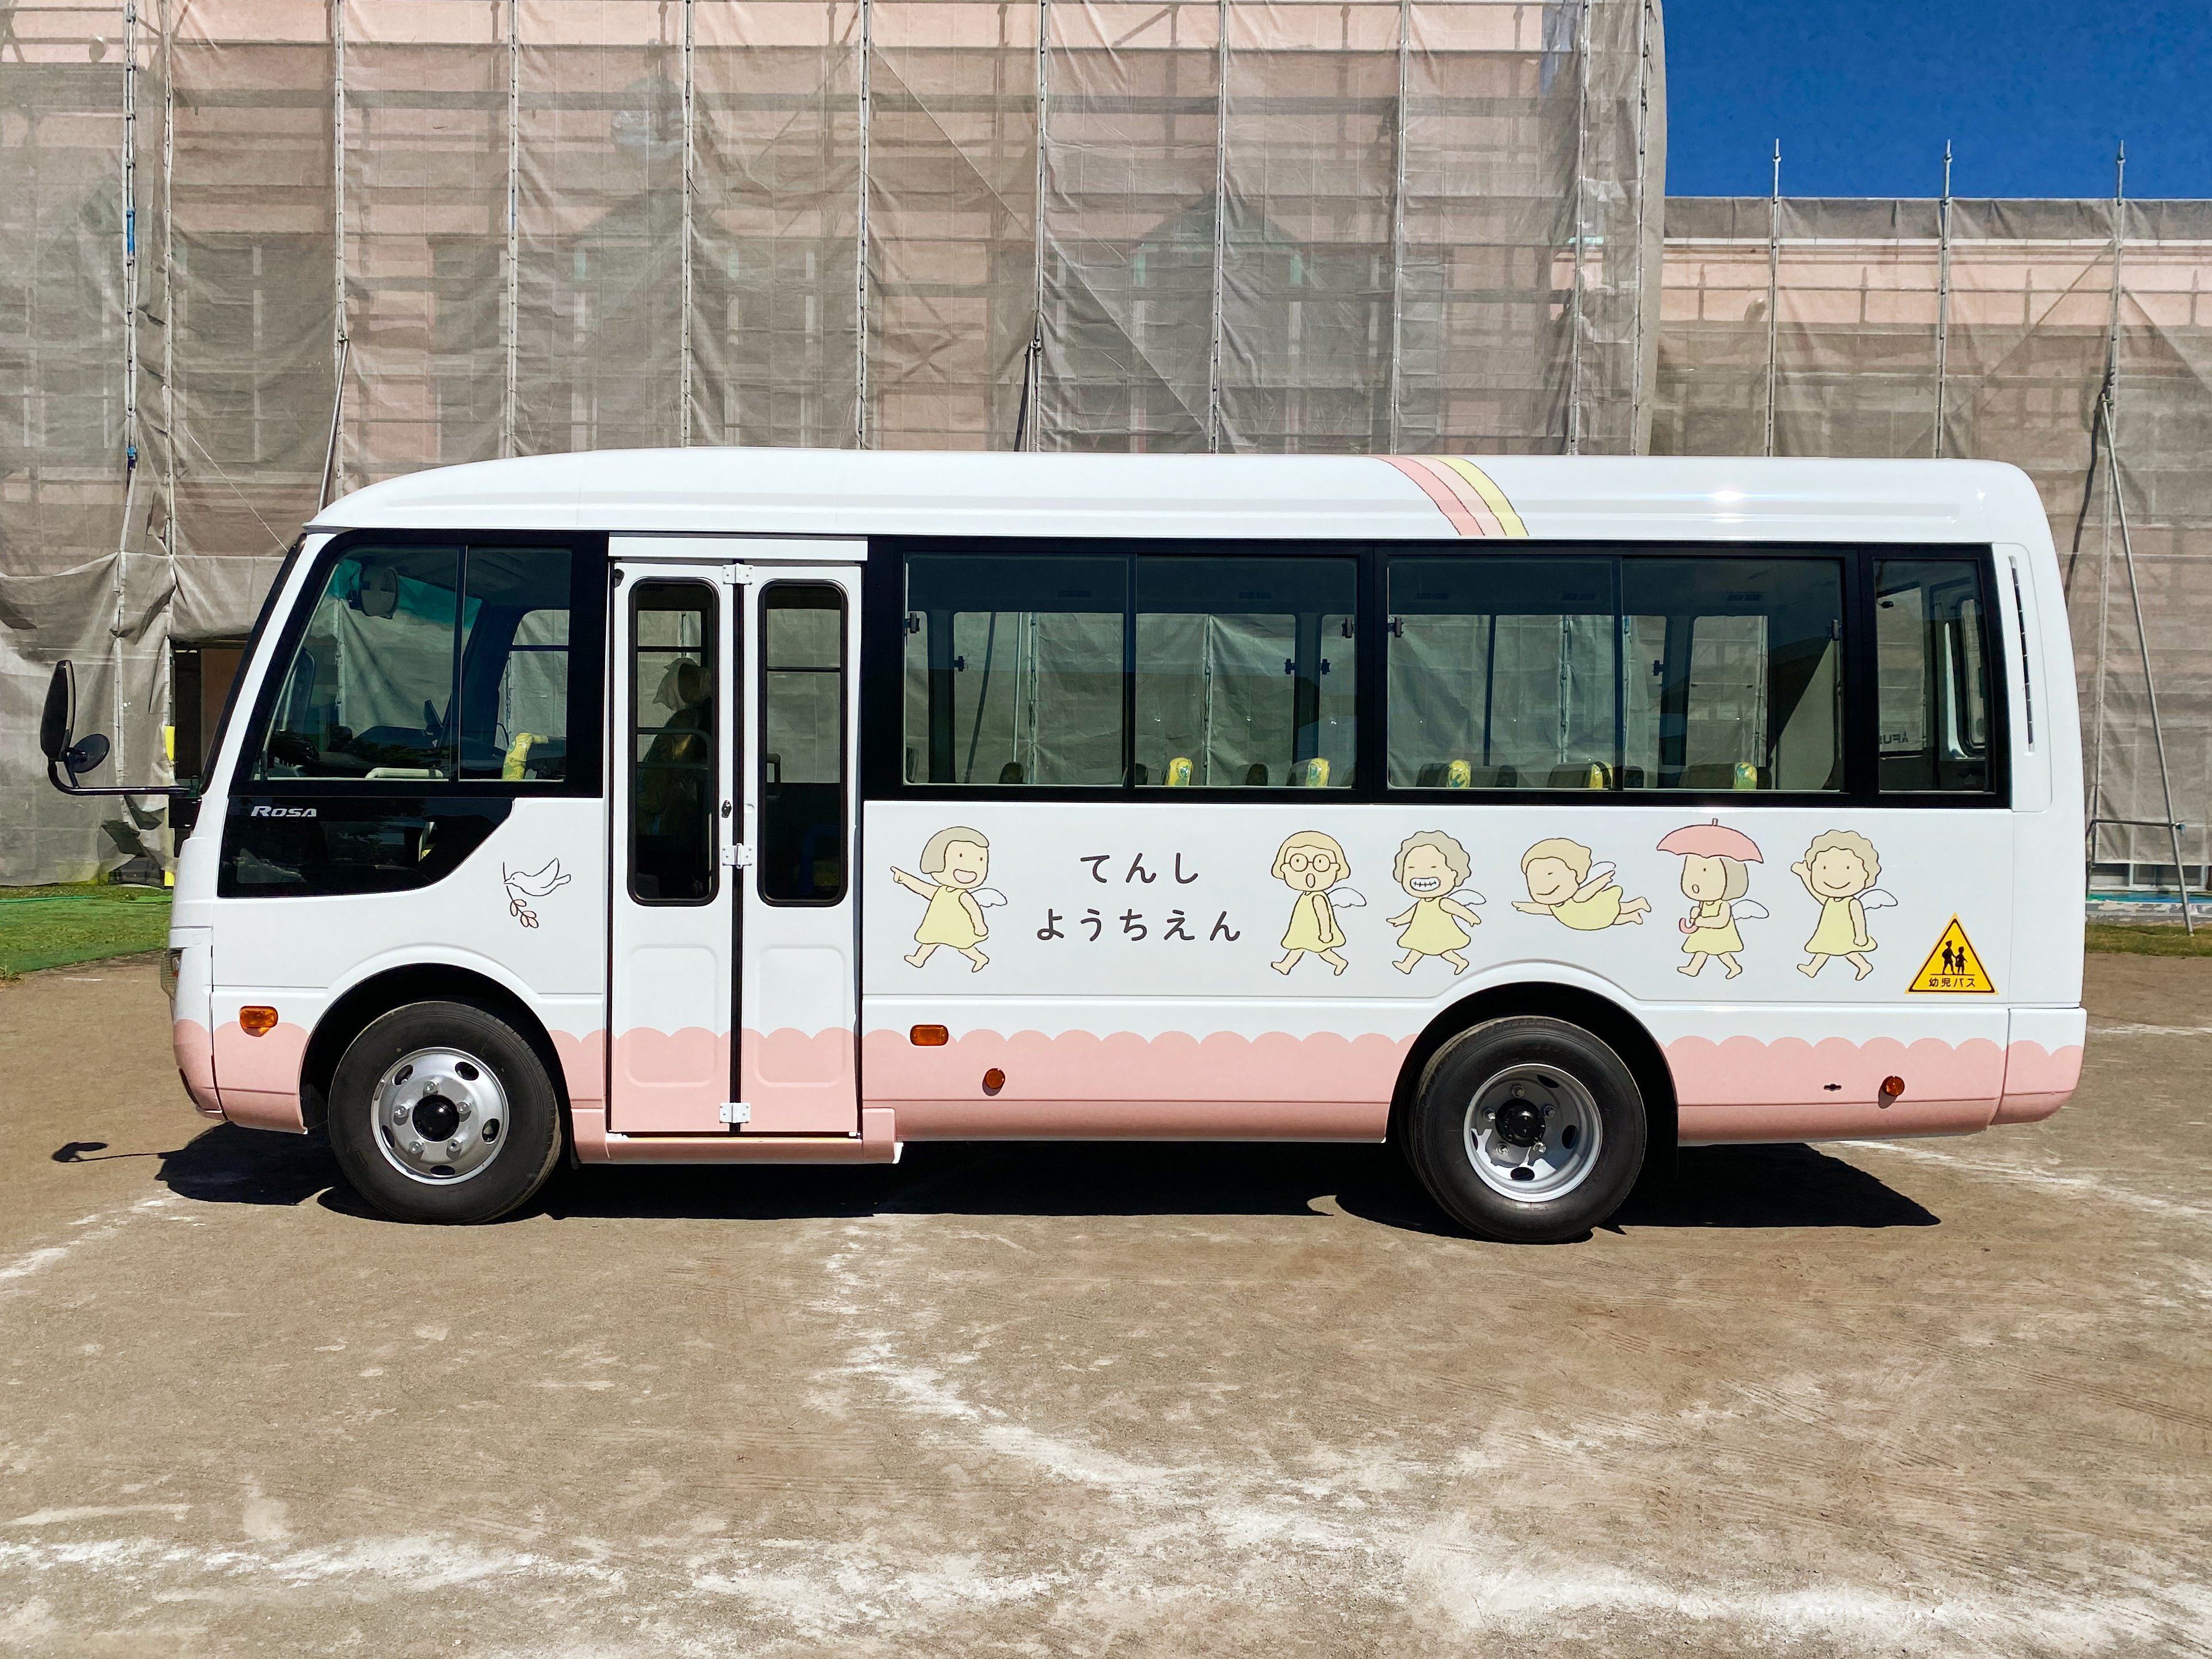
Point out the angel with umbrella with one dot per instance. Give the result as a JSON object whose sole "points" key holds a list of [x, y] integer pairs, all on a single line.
{"points": [[1716, 876]]}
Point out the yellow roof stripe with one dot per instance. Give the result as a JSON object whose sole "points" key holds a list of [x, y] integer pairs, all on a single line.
{"points": [[1508, 520]]}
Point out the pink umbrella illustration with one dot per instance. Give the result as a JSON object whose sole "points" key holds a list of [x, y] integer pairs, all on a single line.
{"points": [[1715, 879], [1712, 841]]}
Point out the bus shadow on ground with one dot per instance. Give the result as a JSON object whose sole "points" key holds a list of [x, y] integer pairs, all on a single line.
{"points": [[1726, 1186]]}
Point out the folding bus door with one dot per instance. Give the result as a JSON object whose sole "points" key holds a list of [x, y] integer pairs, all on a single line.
{"points": [[677, 711], [800, 972]]}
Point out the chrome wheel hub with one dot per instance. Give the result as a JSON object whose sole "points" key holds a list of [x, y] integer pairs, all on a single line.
{"points": [[1533, 1133], [440, 1116]]}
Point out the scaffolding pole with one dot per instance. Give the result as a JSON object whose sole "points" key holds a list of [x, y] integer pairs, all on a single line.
{"points": [[1395, 436], [2108, 400], [1774, 287], [119, 596], [510, 409], [861, 248], [339, 341], [168, 289], [1637, 425], [1942, 299], [684, 254], [1220, 217], [1029, 417], [1575, 290]]}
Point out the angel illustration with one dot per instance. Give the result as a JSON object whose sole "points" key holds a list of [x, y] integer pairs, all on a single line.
{"points": [[961, 857], [1433, 869], [523, 886], [1565, 884], [1311, 864], [1716, 876], [1839, 869]]}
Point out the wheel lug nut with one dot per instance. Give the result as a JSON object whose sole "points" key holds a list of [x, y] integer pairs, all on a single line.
{"points": [[415, 1148], [453, 1147], [463, 1108]]}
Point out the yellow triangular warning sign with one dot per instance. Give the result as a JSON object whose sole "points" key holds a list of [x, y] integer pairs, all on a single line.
{"points": [[1952, 965]]}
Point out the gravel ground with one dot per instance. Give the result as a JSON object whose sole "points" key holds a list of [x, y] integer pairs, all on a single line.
{"points": [[1934, 1397]]}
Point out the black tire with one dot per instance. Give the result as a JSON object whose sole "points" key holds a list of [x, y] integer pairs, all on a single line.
{"points": [[1570, 1077], [528, 1140]]}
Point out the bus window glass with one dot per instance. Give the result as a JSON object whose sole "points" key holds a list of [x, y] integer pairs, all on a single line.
{"points": [[672, 743], [1733, 677], [802, 756], [514, 665], [369, 691], [1013, 670], [1245, 672], [1501, 673], [1933, 672]]}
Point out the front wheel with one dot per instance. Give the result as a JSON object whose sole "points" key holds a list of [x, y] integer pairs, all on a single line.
{"points": [[1528, 1130], [442, 1112]]}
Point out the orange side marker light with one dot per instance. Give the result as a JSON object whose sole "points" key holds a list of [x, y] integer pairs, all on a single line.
{"points": [[1891, 1087], [993, 1080], [257, 1022], [929, 1036]]}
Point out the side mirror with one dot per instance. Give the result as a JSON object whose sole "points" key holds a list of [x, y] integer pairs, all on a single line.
{"points": [[58, 720], [57, 735]]}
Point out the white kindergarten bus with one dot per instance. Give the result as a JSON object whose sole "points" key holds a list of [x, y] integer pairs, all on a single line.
{"points": [[1540, 815]]}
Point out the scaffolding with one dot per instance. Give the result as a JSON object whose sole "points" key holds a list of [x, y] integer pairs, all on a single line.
{"points": [[258, 253], [2071, 338]]}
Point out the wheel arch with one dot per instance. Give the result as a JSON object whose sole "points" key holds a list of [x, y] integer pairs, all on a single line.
{"points": [[1600, 1015], [377, 995]]}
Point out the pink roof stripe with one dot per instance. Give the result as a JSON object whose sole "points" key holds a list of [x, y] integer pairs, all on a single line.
{"points": [[1468, 514]]}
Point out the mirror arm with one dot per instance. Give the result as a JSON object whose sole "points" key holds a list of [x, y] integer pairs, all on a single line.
{"points": [[66, 783]]}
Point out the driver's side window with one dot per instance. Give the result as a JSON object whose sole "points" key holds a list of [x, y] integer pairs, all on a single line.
{"points": [[403, 637], [369, 691]]}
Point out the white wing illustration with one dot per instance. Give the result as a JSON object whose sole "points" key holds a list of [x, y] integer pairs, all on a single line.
{"points": [[1348, 898], [1876, 899], [536, 883], [1468, 896], [1750, 911], [989, 897], [1600, 874]]}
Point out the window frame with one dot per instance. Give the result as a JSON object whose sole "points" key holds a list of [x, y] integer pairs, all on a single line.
{"points": [[588, 703], [714, 655], [848, 671], [882, 665]]}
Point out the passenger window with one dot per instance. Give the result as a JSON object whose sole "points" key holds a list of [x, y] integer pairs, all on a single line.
{"points": [[1932, 704], [802, 831], [514, 664], [1013, 670], [369, 690], [1501, 673], [672, 743], [1733, 677], [1246, 674]]}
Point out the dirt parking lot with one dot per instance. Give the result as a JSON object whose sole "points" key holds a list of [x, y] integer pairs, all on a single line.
{"points": [[1937, 1397]]}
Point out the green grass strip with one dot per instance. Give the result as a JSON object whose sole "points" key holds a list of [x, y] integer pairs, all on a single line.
{"points": [[58, 926]]}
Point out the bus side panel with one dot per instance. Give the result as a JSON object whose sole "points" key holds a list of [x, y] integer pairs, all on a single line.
{"points": [[1162, 969], [526, 910]]}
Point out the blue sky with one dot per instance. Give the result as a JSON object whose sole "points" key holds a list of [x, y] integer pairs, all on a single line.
{"points": [[2033, 96]]}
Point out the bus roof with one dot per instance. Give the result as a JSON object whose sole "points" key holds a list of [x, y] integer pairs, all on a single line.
{"points": [[857, 493]]}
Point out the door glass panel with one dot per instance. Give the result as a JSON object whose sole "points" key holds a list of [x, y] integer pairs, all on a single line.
{"points": [[514, 669], [673, 793], [1013, 670], [1933, 670], [369, 690], [802, 822]]}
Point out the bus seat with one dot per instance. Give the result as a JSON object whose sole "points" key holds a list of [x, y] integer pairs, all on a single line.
{"points": [[1011, 773], [1314, 774], [1459, 775], [1178, 776], [1255, 776], [1590, 774]]}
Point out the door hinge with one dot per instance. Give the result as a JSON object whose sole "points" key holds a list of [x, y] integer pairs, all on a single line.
{"points": [[737, 855], [737, 1113]]}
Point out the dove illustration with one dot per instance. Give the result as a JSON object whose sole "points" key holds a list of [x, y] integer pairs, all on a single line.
{"points": [[532, 884]]}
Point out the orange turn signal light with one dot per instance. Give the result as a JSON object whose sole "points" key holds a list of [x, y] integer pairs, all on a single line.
{"points": [[1891, 1087], [993, 1080], [257, 1022], [929, 1036]]}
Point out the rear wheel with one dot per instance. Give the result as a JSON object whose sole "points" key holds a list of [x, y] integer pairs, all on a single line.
{"points": [[442, 1112], [1528, 1130]]}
